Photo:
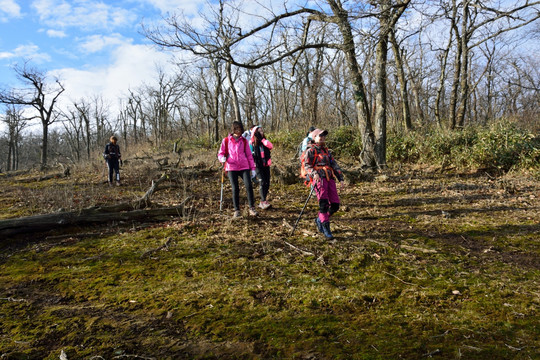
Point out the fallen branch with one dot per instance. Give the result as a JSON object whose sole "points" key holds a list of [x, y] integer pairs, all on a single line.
{"points": [[159, 248], [78, 236], [145, 200], [303, 252], [405, 282]]}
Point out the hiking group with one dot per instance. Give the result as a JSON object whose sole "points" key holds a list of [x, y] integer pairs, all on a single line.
{"points": [[247, 155]]}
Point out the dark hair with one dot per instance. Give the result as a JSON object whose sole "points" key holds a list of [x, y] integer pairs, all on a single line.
{"points": [[311, 128], [236, 124]]}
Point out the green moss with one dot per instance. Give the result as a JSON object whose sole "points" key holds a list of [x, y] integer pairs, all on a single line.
{"points": [[402, 280]]}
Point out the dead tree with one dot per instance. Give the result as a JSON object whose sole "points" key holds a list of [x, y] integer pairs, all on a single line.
{"points": [[40, 95]]}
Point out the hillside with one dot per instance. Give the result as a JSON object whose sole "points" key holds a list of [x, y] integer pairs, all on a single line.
{"points": [[425, 264]]}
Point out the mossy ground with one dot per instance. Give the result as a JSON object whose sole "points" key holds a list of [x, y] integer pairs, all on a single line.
{"points": [[424, 265]]}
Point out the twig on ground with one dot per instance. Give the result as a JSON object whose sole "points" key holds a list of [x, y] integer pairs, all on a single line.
{"points": [[159, 248], [405, 282], [303, 252]]}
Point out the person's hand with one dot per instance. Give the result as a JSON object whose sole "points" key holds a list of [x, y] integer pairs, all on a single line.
{"points": [[341, 185], [253, 174], [316, 177]]}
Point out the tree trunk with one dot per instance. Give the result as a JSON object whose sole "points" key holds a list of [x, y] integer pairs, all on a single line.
{"points": [[380, 99], [40, 223], [367, 156], [464, 71], [236, 102], [402, 82], [44, 144]]}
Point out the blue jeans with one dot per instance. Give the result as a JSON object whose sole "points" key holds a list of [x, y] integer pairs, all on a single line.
{"points": [[233, 178]]}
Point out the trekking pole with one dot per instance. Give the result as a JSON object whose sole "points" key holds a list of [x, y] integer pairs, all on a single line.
{"points": [[221, 197], [301, 212]]}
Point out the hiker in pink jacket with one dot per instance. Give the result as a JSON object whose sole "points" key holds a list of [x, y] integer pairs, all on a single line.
{"points": [[236, 156]]}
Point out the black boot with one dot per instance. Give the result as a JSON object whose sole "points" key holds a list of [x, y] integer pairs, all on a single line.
{"points": [[326, 230], [319, 224]]}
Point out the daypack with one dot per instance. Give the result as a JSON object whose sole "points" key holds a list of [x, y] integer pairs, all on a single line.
{"points": [[328, 170], [303, 159], [303, 146]]}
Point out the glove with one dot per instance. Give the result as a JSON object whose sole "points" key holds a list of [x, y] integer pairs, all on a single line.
{"points": [[222, 159], [253, 174]]}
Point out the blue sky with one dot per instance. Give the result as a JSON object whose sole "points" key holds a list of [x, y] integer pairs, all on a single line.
{"points": [[92, 46]]}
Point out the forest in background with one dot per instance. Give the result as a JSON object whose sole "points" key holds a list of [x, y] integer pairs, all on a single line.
{"points": [[392, 71]]}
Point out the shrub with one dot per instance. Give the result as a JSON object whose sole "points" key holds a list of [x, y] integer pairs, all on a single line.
{"points": [[287, 140], [504, 146], [345, 141], [402, 148]]}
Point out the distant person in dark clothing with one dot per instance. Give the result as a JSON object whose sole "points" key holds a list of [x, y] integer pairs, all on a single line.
{"points": [[113, 158]]}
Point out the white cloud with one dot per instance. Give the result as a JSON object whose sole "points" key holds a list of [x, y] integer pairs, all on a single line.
{"points": [[82, 13], [189, 7], [9, 9], [131, 66], [30, 51], [96, 43], [56, 33]]}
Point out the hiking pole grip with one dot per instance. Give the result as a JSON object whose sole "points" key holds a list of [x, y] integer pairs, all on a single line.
{"points": [[301, 212]]}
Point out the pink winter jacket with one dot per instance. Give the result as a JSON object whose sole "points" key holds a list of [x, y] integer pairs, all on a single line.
{"points": [[238, 156]]}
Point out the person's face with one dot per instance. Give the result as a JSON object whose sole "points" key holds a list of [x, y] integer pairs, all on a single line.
{"points": [[320, 139], [237, 131], [260, 131], [113, 141]]}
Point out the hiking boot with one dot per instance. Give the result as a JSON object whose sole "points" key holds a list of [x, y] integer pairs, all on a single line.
{"points": [[319, 225], [237, 214], [253, 212], [118, 183], [326, 230], [110, 183]]}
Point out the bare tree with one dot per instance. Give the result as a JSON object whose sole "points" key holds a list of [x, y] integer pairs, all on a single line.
{"points": [[40, 95], [480, 23], [16, 123], [205, 45]]}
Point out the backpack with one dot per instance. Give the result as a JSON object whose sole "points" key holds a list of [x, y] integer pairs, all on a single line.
{"points": [[303, 146], [304, 158]]}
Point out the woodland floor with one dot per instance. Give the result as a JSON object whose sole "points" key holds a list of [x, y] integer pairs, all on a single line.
{"points": [[424, 265]]}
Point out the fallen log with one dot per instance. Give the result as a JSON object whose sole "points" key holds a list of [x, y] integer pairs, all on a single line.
{"points": [[40, 223], [133, 211]]}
